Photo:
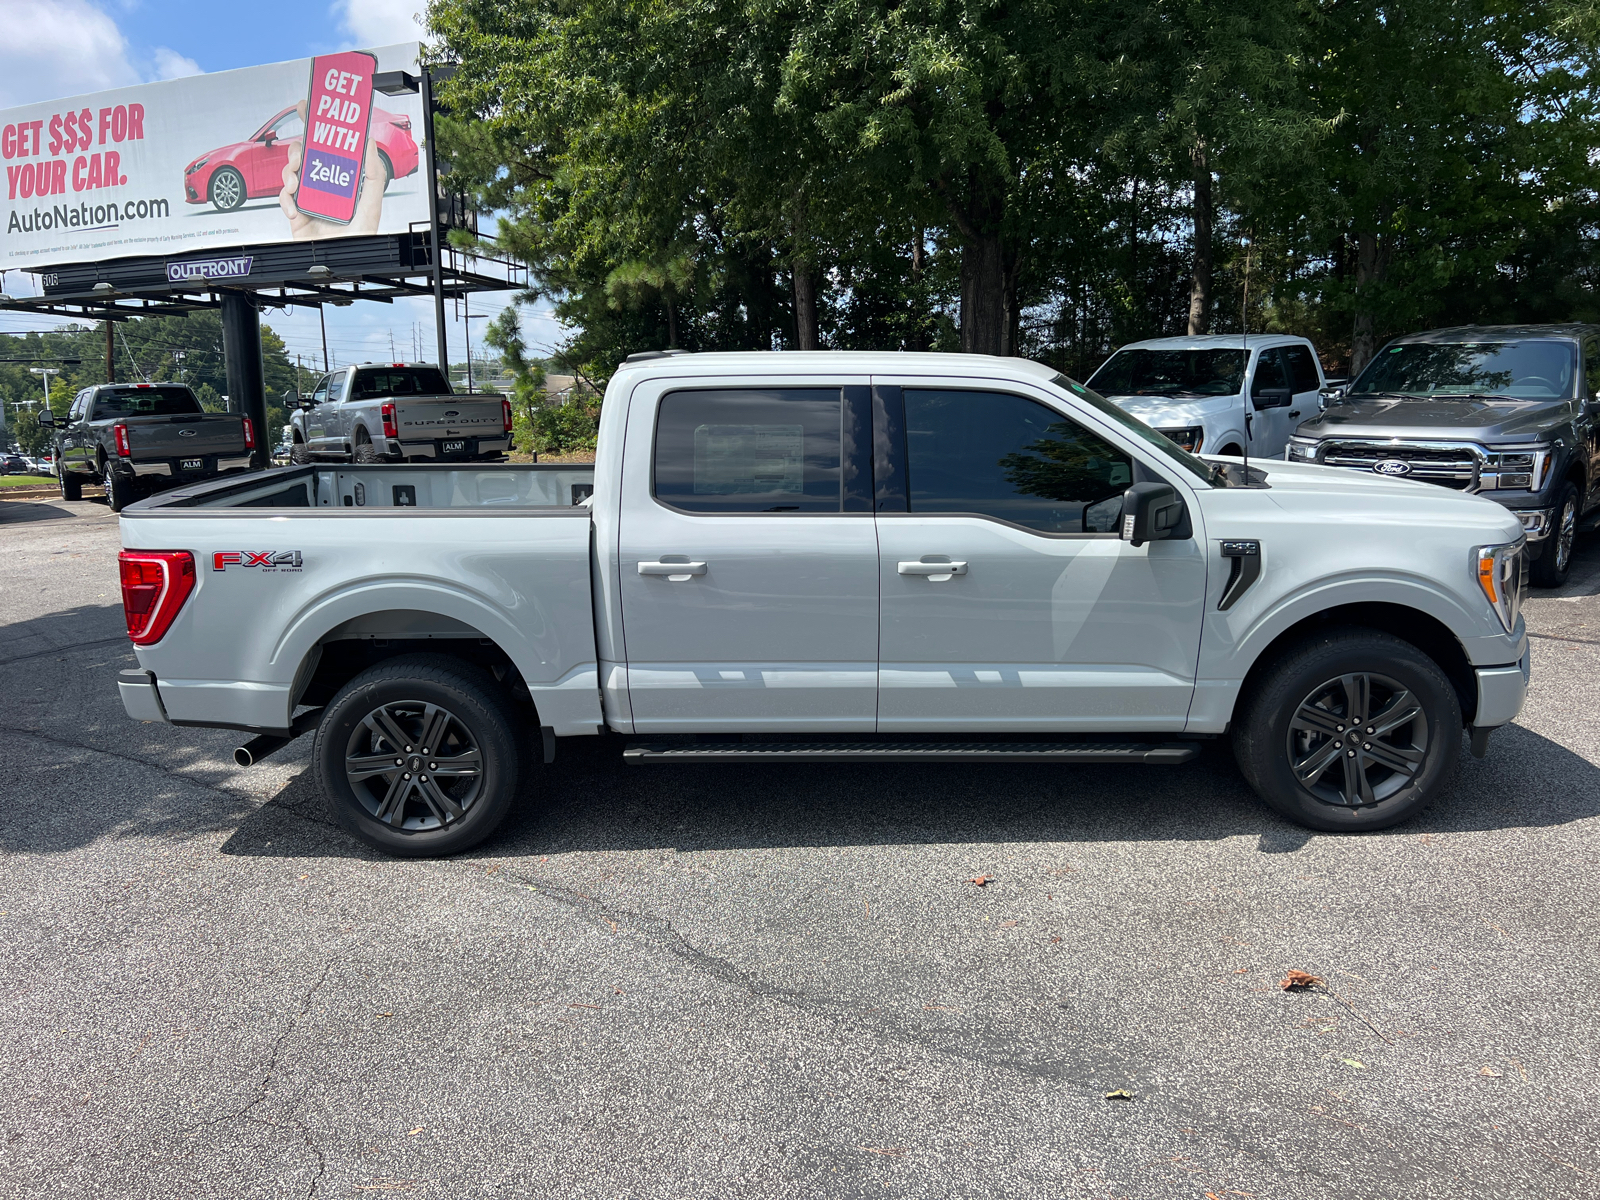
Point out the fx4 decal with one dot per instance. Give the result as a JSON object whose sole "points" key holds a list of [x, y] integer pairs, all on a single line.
{"points": [[271, 560]]}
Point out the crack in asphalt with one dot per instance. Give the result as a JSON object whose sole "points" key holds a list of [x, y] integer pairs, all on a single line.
{"points": [[1556, 637], [165, 768], [73, 648]]}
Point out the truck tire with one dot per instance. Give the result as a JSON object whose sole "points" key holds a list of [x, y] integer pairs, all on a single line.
{"points": [[364, 451], [299, 454], [380, 777], [1297, 747], [119, 489], [1552, 567], [71, 485]]}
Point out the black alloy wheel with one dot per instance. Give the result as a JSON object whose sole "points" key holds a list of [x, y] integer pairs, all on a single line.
{"points": [[1554, 565], [1357, 739], [1349, 730], [417, 756]]}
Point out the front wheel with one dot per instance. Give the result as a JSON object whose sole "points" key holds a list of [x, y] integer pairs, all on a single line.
{"points": [[1352, 730], [417, 756], [299, 454], [1552, 567], [228, 190]]}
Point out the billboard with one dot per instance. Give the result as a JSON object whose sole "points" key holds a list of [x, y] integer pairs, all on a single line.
{"points": [[215, 161]]}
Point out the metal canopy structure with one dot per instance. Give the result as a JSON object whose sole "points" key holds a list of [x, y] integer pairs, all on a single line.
{"points": [[338, 271]]}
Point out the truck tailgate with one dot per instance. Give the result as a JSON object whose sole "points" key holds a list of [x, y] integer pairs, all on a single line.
{"points": [[185, 436], [424, 418]]}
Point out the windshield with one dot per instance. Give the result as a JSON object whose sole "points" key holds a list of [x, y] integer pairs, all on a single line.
{"points": [[1536, 369], [1139, 429], [400, 381], [1170, 373], [145, 402]]}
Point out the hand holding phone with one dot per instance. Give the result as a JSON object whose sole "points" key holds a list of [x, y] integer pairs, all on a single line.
{"points": [[334, 179]]}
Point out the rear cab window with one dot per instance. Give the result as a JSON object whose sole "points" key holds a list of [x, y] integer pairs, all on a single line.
{"points": [[118, 403], [384, 383]]}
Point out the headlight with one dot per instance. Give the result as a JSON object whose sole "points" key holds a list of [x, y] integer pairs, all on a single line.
{"points": [[1301, 449], [1189, 439], [1521, 468], [196, 165], [1501, 575]]}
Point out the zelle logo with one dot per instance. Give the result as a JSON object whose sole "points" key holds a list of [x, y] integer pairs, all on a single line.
{"points": [[270, 560]]}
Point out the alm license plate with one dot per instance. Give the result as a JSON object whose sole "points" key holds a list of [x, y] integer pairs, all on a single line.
{"points": [[191, 464], [455, 447]]}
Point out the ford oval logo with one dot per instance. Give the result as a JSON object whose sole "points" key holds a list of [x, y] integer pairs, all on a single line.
{"points": [[452, 412], [1392, 466], [187, 433]]}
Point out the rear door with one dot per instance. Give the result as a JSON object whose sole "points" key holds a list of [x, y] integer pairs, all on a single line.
{"points": [[748, 560], [1009, 601]]}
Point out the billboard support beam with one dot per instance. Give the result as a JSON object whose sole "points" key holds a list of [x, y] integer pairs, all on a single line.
{"points": [[111, 355], [436, 234], [241, 348]]}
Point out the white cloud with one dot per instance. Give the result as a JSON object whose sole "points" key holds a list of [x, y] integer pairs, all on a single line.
{"points": [[382, 22], [169, 64], [56, 48]]}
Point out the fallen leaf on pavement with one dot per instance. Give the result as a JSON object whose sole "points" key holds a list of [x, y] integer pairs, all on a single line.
{"points": [[886, 1151], [575, 1005], [1008, 924], [1119, 1094], [1299, 979], [979, 881], [417, 1130], [1055, 939], [1491, 1073], [1356, 1063]]}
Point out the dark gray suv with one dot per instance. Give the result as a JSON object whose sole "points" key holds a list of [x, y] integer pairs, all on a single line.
{"points": [[1511, 412]]}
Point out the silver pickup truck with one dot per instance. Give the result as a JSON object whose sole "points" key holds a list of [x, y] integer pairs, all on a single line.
{"points": [[833, 556], [395, 412]]}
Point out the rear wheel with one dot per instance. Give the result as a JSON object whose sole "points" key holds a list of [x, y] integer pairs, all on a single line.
{"points": [[417, 756], [71, 485], [365, 452], [1352, 730], [119, 489], [1555, 564]]}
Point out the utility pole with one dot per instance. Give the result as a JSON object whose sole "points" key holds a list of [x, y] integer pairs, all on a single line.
{"points": [[322, 315], [111, 355]]}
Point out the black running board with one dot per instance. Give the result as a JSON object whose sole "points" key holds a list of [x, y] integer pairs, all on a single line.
{"points": [[1083, 752]]}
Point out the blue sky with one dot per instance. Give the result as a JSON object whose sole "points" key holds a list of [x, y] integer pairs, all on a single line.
{"points": [[55, 48]]}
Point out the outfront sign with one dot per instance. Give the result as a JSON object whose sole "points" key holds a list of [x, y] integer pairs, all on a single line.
{"points": [[214, 161]]}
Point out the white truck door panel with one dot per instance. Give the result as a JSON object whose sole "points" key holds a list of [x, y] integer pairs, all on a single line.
{"points": [[1046, 620], [772, 621]]}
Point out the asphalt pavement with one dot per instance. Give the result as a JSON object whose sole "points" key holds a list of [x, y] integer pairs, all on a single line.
{"points": [[778, 980]]}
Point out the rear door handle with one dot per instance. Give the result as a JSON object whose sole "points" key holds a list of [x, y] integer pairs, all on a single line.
{"points": [[945, 569], [672, 570]]}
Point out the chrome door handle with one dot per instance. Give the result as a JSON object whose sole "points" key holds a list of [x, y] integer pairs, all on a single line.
{"points": [[671, 570], [945, 569]]}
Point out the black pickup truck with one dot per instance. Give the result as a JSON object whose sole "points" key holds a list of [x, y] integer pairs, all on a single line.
{"points": [[1510, 412], [140, 438]]}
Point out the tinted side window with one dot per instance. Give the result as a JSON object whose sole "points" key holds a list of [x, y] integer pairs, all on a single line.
{"points": [[1302, 369], [749, 450], [1269, 373], [320, 392], [1591, 370], [1012, 458], [336, 385]]}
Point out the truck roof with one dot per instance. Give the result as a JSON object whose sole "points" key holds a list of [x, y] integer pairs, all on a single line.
{"points": [[1467, 333], [807, 362], [1218, 341]]}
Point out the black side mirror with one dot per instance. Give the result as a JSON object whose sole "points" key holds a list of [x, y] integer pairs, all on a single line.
{"points": [[1271, 397], [1150, 513], [47, 418], [291, 398]]}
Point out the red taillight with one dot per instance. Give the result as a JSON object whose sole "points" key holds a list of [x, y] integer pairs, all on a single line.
{"points": [[249, 433], [120, 432], [155, 583], [390, 429], [505, 413]]}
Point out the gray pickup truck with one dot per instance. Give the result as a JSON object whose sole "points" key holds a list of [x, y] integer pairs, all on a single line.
{"points": [[1509, 412], [395, 412], [140, 438]]}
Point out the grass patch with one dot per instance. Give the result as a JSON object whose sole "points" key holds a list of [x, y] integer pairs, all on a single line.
{"points": [[27, 481]]}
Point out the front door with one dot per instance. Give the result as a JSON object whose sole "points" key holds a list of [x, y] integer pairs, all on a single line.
{"points": [[1009, 602], [1272, 396], [748, 562]]}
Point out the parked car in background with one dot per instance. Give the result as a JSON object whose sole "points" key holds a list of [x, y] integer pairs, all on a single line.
{"points": [[396, 412], [229, 175], [1195, 389], [1510, 412], [138, 438], [824, 557], [14, 464]]}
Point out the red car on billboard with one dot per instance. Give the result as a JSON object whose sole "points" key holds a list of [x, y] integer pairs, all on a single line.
{"points": [[230, 175]]}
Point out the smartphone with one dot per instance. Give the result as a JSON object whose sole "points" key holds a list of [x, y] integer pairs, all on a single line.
{"points": [[338, 122]]}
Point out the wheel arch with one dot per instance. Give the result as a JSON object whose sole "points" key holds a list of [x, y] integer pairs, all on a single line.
{"points": [[1412, 625]]}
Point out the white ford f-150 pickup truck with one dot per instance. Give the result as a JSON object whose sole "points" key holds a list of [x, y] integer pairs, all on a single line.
{"points": [[826, 556]]}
